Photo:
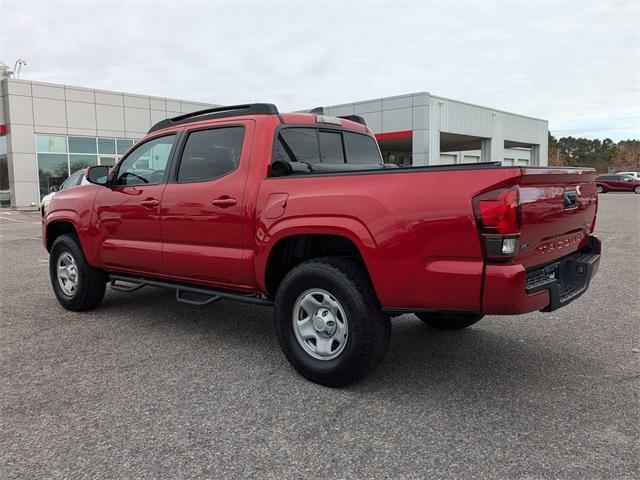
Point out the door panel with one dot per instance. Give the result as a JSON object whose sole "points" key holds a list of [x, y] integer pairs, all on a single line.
{"points": [[202, 221], [127, 215], [129, 227]]}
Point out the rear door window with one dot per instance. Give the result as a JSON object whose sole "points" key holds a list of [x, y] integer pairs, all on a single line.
{"points": [[210, 154]]}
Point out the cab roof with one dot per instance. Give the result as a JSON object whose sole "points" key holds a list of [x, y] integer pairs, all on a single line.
{"points": [[353, 122]]}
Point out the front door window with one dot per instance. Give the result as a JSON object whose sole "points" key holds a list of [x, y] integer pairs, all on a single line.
{"points": [[146, 165]]}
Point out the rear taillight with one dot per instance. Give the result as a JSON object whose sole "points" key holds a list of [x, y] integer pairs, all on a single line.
{"points": [[498, 211], [498, 217]]}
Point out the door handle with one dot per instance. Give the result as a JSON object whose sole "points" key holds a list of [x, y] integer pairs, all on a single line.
{"points": [[150, 203], [224, 202]]}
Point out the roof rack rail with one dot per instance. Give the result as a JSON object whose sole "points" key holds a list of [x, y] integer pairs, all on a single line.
{"points": [[354, 118], [217, 112]]}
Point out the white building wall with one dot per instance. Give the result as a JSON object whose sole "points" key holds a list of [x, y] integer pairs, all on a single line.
{"points": [[35, 107], [427, 116], [395, 114], [512, 156], [464, 119], [493, 125]]}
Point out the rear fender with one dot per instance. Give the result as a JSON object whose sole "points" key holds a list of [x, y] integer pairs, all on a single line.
{"points": [[268, 236]]}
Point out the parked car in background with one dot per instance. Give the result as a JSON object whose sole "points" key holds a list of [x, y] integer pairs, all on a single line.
{"points": [[617, 183], [77, 178], [635, 175]]}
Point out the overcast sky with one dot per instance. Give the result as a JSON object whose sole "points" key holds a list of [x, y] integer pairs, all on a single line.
{"points": [[574, 63]]}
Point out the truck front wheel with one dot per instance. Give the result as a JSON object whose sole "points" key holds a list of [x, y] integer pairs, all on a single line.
{"points": [[329, 323], [449, 320], [77, 285]]}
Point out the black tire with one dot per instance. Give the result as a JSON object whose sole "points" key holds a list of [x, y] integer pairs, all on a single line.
{"points": [[369, 329], [600, 189], [637, 189], [449, 320], [91, 282]]}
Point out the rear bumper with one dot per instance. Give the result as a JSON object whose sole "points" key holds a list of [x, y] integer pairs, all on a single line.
{"points": [[511, 290]]}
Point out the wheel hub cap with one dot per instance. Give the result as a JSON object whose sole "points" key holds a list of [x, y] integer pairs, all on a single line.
{"points": [[324, 322], [67, 273], [320, 324]]}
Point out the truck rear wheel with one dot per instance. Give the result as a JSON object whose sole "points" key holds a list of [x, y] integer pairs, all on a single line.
{"points": [[329, 323], [449, 320], [77, 285]]}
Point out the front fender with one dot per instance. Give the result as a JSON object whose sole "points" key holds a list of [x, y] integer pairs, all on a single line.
{"points": [[81, 222]]}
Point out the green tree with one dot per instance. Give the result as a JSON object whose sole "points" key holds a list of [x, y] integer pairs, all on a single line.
{"points": [[603, 155]]}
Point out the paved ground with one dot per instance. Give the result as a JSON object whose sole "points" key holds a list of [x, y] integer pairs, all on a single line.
{"points": [[146, 387]]}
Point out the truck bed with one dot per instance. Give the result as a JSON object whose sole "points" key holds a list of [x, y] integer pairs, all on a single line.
{"points": [[418, 231]]}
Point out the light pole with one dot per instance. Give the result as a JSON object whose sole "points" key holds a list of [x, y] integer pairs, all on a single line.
{"points": [[17, 67]]}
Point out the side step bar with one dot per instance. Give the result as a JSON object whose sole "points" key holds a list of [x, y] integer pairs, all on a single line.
{"points": [[203, 295]]}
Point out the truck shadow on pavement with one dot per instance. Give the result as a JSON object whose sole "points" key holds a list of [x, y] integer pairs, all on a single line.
{"points": [[474, 361], [479, 360]]}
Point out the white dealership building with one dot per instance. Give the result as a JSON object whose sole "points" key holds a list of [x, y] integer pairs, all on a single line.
{"points": [[48, 131]]}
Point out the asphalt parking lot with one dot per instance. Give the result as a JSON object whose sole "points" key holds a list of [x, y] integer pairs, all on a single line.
{"points": [[147, 387]]}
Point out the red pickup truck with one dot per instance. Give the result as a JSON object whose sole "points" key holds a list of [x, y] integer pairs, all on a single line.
{"points": [[298, 211]]}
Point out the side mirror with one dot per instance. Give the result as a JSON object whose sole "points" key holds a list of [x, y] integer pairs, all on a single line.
{"points": [[53, 189], [280, 168], [98, 174]]}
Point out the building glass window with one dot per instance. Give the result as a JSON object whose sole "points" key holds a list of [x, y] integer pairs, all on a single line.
{"points": [[4, 182], [76, 162], [107, 145], [59, 156], [82, 145], [53, 169], [108, 161], [402, 159], [123, 145], [51, 143]]}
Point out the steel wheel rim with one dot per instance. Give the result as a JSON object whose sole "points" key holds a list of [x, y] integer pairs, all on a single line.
{"points": [[320, 324], [67, 273], [637, 189]]}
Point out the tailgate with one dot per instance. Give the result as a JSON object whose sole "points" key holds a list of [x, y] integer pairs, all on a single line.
{"points": [[558, 208]]}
